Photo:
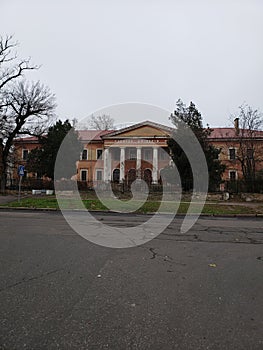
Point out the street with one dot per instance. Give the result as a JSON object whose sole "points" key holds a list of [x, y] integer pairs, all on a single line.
{"points": [[199, 290]]}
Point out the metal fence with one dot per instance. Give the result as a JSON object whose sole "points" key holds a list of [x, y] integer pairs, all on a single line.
{"points": [[241, 186], [231, 186]]}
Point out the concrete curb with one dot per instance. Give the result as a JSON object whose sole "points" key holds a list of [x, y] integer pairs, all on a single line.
{"points": [[111, 212]]}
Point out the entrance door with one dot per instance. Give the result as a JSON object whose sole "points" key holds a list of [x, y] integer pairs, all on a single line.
{"points": [[147, 176]]}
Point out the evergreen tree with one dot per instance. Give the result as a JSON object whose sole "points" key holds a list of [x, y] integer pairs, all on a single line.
{"points": [[190, 117], [42, 160]]}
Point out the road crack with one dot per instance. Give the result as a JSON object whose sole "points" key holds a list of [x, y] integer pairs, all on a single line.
{"points": [[30, 279], [153, 253]]}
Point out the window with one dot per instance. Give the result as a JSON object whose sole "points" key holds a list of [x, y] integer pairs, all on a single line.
{"points": [[98, 175], [116, 175], [250, 153], [99, 153], [84, 154], [217, 152], [232, 153], [25, 154], [232, 175], [132, 154], [147, 154], [83, 175], [163, 155], [116, 153]]}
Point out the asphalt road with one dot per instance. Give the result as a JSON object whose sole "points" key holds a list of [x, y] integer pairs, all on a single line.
{"points": [[200, 290]]}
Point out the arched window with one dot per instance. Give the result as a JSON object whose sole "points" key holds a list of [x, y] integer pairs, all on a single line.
{"points": [[116, 175], [131, 175]]}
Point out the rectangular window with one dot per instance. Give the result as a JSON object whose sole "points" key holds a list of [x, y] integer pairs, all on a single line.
{"points": [[25, 154], [99, 153], [163, 154], [147, 154], [250, 153], [116, 153], [232, 175], [98, 175], [84, 154], [133, 154], [232, 153], [83, 175], [216, 154]]}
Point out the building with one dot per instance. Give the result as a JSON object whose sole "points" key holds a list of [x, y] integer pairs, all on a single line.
{"points": [[141, 151], [138, 151], [23, 146], [235, 144]]}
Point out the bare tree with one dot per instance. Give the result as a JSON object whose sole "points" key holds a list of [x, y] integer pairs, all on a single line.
{"points": [[25, 108], [11, 67], [248, 125], [101, 122]]}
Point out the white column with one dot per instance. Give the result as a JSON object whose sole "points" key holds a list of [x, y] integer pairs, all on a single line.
{"points": [[109, 167], [155, 166], [139, 163], [106, 159], [122, 160]]}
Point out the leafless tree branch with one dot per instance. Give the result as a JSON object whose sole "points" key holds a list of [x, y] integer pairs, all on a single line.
{"points": [[101, 122]]}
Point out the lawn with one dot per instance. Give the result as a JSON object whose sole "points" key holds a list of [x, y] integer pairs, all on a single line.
{"points": [[149, 206]]}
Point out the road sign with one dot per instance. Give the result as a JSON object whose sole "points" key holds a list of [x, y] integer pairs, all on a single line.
{"points": [[21, 170]]}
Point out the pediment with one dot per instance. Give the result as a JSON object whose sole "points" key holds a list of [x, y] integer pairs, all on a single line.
{"points": [[142, 130]]}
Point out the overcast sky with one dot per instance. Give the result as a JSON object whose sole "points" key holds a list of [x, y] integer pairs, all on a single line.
{"points": [[96, 53]]}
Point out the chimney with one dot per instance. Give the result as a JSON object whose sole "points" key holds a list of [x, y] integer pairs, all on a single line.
{"points": [[236, 124]]}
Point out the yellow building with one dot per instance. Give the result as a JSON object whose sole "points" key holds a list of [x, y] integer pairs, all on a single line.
{"points": [[141, 151], [138, 151]]}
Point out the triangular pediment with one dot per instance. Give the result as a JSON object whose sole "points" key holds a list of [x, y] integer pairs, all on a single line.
{"points": [[145, 129]]}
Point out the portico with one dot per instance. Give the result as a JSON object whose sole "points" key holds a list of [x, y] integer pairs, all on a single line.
{"points": [[125, 162], [131, 153]]}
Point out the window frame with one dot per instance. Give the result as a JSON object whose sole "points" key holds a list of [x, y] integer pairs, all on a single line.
{"points": [[25, 150], [250, 153], [148, 150], [97, 172], [230, 157], [87, 153], [163, 155], [84, 171], [232, 172], [131, 150], [101, 150], [116, 153]]}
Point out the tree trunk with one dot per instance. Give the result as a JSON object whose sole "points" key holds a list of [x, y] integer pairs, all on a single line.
{"points": [[2, 182], [3, 176]]}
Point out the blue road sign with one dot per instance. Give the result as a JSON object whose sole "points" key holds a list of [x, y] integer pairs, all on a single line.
{"points": [[21, 170]]}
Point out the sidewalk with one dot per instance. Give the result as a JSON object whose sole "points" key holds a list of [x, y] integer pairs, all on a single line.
{"points": [[8, 199]]}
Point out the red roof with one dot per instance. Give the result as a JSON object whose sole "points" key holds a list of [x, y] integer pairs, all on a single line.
{"points": [[27, 139], [230, 133], [93, 135], [96, 135], [85, 135]]}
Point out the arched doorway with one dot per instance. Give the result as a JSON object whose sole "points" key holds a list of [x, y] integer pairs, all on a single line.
{"points": [[131, 175], [116, 175], [147, 176]]}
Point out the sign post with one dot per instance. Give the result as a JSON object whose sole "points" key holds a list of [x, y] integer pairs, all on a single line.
{"points": [[21, 173]]}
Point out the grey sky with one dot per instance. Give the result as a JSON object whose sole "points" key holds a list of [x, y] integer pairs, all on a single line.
{"points": [[103, 52]]}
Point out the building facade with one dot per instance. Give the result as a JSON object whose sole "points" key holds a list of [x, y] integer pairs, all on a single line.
{"points": [[236, 145], [140, 151]]}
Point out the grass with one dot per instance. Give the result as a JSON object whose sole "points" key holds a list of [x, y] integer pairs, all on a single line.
{"points": [[150, 206]]}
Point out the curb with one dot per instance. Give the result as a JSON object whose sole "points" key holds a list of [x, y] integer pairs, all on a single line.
{"points": [[111, 212], [27, 208]]}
